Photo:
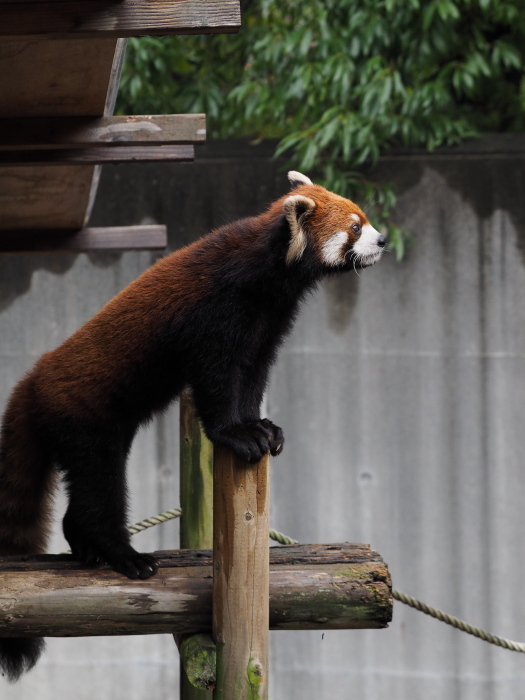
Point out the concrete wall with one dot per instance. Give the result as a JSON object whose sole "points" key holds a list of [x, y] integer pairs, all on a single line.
{"points": [[401, 394]]}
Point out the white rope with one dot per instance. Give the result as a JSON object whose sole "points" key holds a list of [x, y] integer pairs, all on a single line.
{"points": [[401, 597], [459, 624]]}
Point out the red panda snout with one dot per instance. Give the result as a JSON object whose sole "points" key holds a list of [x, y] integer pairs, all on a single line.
{"points": [[369, 246], [361, 245]]}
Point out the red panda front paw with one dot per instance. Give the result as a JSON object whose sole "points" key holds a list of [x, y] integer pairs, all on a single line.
{"points": [[251, 441], [276, 440]]}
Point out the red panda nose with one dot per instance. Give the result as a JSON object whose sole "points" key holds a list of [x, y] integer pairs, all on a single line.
{"points": [[381, 241]]}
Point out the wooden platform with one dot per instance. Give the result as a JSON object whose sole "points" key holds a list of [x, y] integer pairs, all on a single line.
{"points": [[60, 65]]}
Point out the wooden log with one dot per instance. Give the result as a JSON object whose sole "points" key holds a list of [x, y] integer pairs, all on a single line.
{"points": [[197, 652], [240, 576], [82, 132], [199, 662], [321, 587], [99, 155], [150, 237], [196, 480], [99, 18]]}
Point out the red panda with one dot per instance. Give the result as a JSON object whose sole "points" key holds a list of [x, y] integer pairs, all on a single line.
{"points": [[209, 316]]}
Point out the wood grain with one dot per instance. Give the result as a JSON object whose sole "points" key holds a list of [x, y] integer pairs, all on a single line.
{"points": [[98, 155], [34, 82], [150, 237], [103, 18], [241, 576], [44, 197], [82, 132], [342, 586]]}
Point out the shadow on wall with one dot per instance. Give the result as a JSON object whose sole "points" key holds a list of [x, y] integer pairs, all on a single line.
{"points": [[16, 271], [487, 173], [341, 296]]}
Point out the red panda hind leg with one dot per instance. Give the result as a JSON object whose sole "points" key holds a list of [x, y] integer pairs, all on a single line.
{"points": [[93, 463]]}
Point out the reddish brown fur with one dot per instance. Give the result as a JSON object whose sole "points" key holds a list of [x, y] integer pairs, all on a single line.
{"points": [[25, 494], [210, 316]]}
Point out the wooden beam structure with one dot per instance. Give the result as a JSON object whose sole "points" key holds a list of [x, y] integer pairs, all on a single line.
{"points": [[97, 19], [98, 155], [83, 132], [316, 587], [241, 511], [151, 237]]}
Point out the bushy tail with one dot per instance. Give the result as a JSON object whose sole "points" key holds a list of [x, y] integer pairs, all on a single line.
{"points": [[19, 655], [27, 482]]}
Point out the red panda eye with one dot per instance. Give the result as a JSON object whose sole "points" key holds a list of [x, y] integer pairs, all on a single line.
{"points": [[356, 228]]}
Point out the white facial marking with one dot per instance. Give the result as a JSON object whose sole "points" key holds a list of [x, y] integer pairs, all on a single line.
{"points": [[366, 248], [355, 217], [333, 248]]}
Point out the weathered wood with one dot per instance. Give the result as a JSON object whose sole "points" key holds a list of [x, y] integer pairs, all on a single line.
{"points": [[44, 197], [83, 132], [109, 106], [196, 532], [241, 576], [196, 480], [53, 78], [150, 237], [101, 155], [100, 18], [339, 586], [199, 660]]}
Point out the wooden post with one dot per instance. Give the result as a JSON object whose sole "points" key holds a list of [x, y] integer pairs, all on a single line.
{"points": [[196, 527], [240, 576]]}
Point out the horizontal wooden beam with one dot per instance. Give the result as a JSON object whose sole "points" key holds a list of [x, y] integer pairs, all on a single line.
{"points": [[83, 132], [65, 241], [99, 155], [109, 18], [343, 586]]}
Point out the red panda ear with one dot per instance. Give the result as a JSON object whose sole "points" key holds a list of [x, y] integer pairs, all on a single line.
{"points": [[297, 179], [295, 207]]}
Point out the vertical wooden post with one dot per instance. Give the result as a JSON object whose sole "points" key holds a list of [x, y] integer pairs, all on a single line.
{"points": [[196, 498], [240, 576]]}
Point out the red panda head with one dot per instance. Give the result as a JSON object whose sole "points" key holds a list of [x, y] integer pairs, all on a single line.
{"points": [[335, 228]]}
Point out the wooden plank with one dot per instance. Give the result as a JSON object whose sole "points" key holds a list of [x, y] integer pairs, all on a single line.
{"points": [[111, 238], [117, 64], [101, 18], [98, 155], [321, 587], [240, 576], [82, 132], [34, 81], [44, 197]]}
